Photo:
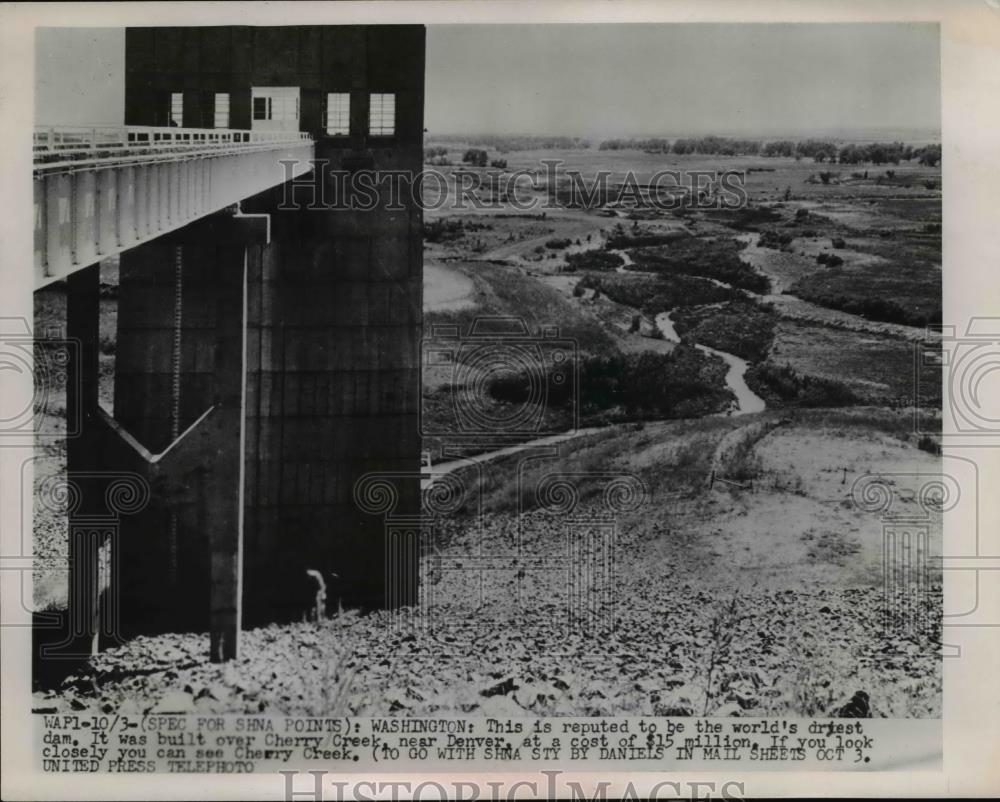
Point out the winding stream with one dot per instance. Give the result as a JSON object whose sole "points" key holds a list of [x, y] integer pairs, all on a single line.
{"points": [[747, 400], [627, 259]]}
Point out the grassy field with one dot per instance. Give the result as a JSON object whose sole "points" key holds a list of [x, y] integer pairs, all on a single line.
{"points": [[878, 369], [882, 225]]}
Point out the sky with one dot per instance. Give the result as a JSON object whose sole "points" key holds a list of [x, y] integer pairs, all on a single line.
{"points": [[605, 80]]}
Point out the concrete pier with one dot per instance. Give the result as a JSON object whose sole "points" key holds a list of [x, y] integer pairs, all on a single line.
{"points": [[267, 355]]}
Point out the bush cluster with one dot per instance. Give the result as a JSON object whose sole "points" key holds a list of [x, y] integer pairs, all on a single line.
{"points": [[781, 386], [593, 260], [682, 383], [446, 230], [777, 240], [743, 328], [829, 259], [717, 259]]}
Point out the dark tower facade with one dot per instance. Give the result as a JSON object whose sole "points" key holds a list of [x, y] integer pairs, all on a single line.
{"points": [[334, 309]]}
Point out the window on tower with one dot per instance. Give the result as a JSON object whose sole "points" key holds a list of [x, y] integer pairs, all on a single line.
{"points": [[177, 109], [338, 113], [382, 115], [221, 110]]}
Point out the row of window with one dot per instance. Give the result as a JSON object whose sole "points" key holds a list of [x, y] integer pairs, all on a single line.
{"points": [[381, 111], [381, 114]]}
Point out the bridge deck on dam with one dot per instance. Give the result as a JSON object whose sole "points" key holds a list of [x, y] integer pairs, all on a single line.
{"points": [[100, 191]]}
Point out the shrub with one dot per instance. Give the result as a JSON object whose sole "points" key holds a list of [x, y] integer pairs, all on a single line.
{"points": [[594, 260], [500, 164], [684, 382], [930, 155], [829, 259], [443, 230], [929, 444], [776, 240], [930, 184], [838, 242], [475, 157], [801, 214], [579, 290], [558, 244]]}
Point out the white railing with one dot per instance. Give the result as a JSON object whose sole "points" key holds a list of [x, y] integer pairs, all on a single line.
{"points": [[99, 191], [89, 138], [57, 147]]}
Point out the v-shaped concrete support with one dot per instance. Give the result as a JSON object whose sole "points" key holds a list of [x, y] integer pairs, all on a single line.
{"points": [[199, 476]]}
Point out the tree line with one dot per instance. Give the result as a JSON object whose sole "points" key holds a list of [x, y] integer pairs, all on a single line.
{"points": [[512, 142], [816, 149]]}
